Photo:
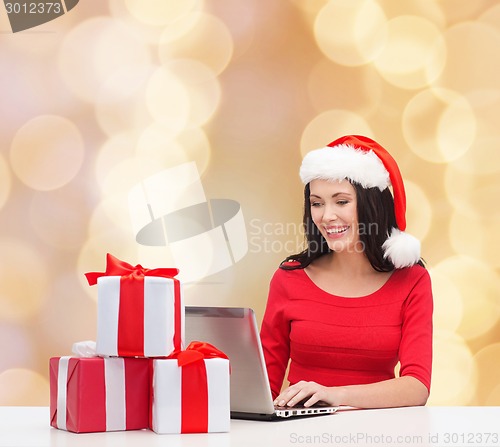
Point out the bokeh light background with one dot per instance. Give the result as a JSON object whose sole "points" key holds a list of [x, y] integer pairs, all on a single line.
{"points": [[117, 90]]}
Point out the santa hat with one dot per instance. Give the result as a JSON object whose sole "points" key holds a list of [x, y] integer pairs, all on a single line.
{"points": [[364, 161]]}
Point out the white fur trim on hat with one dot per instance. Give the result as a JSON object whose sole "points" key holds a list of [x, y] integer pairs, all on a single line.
{"points": [[402, 249], [345, 162]]}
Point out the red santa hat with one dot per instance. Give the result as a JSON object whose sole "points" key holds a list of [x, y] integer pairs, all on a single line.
{"points": [[364, 161]]}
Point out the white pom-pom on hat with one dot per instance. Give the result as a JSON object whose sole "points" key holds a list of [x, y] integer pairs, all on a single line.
{"points": [[364, 161], [402, 249]]}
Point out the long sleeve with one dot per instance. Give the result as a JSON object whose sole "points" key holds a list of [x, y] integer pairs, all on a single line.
{"points": [[275, 334], [415, 350]]}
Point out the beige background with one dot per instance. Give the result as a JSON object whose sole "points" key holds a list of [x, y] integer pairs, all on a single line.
{"points": [[116, 91]]}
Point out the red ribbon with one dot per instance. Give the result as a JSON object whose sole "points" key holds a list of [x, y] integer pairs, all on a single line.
{"points": [[194, 391], [131, 311], [115, 267]]}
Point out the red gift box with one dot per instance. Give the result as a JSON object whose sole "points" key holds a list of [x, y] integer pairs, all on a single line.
{"points": [[140, 311], [97, 394], [190, 391]]}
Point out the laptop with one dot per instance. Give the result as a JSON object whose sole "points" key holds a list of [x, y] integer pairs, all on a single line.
{"points": [[234, 331]]}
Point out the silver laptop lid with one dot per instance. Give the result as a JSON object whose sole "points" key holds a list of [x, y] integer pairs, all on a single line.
{"points": [[234, 331]]}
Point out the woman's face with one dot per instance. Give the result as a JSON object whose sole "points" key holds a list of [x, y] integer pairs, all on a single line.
{"points": [[334, 212]]}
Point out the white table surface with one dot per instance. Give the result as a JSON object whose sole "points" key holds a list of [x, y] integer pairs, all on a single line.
{"points": [[414, 426]]}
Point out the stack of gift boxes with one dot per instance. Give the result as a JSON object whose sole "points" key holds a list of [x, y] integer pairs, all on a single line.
{"points": [[138, 375]]}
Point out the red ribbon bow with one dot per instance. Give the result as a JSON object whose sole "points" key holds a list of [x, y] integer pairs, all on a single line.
{"points": [[196, 351], [116, 267]]}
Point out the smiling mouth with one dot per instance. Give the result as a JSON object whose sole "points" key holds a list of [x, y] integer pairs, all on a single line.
{"points": [[338, 230]]}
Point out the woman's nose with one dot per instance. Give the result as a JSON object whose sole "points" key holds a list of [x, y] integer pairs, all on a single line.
{"points": [[329, 214]]}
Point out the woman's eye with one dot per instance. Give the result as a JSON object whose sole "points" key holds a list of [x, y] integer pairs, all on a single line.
{"points": [[315, 204], [342, 202]]}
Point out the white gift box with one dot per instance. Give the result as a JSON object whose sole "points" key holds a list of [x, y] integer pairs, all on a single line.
{"points": [[188, 401], [148, 327], [140, 311]]}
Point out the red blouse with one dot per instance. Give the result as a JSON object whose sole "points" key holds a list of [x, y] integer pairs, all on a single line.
{"points": [[334, 340]]}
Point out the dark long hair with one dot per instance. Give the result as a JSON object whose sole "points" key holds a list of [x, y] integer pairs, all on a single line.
{"points": [[376, 219]]}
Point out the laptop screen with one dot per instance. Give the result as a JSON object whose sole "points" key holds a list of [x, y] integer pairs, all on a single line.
{"points": [[235, 332]]}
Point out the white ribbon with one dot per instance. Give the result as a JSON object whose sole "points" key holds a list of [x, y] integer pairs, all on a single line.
{"points": [[114, 376], [84, 349], [62, 381], [114, 379]]}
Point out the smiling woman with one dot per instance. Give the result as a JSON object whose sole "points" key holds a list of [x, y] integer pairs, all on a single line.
{"points": [[333, 211], [357, 300]]}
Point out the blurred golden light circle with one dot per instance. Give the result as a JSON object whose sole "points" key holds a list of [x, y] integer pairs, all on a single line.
{"points": [[351, 32], [95, 49], [5, 182], [119, 167], [24, 280], [23, 387], [488, 362], [114, 150], [114, 212], [196, 145], [60, 218], [476, 236], [414, 54], [472, 57], [168, 100], [479, 287], [431, 11], [448, 307], [156, 143], [439, 125], [47, 152], [472, 194], [208, 42], [125, 174], [418, 210], [148, 31], [120, 104], [480, 159], [179, 28], [361, 92], [454, 371], [161, 12], [331, 125], [202, 87], [118, 182]]}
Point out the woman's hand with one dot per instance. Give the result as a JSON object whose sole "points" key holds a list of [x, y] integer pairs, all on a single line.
{"points": [[307, 393]]}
